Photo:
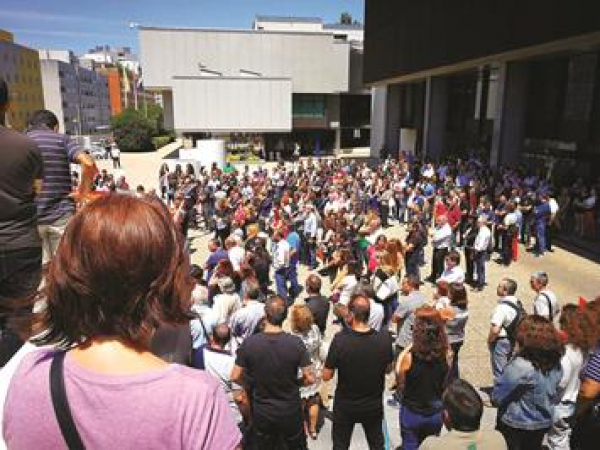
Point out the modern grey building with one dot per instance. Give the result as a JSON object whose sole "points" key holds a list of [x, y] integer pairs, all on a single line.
{"points": [[288, 80], [78, 96], [517, 81]]}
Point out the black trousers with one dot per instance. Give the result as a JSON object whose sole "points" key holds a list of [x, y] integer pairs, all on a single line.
{"points": [[470, 264], [437, 262], [517, 439], [343, 426], [20, 276], [287, 432]]}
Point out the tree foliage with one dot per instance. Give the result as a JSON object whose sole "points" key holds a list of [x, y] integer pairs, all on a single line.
{"points": [[155, 115], [133, 131]]}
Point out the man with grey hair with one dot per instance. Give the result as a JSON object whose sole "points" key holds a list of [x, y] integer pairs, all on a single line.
{"points": [[546, 303], [505, 318]]}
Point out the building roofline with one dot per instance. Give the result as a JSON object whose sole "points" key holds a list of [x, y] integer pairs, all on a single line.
{"points": [[288, 19], [341, 26], [225, 78], [237, 30]]}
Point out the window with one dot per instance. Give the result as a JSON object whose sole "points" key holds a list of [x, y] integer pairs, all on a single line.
{"points": [[308, 106]]}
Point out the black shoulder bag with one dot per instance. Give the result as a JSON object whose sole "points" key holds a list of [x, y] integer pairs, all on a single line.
{"points": [[61, 403]]}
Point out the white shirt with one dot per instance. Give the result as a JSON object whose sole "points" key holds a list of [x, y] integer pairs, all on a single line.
{"points": [[442, 236], [454, 275], [482, 241], [220, 365], [542, 308], [510, 219], [503, 314], [553, 206], [571, 364], [281, 255], [347, 288], [236, 256], [310, 225], [224, 305], [376, 315]]}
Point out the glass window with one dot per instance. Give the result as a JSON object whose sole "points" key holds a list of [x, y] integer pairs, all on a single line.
{"points": [[308, 106]]}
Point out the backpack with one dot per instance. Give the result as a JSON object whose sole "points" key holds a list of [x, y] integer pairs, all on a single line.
{"points": [[511, 328]]}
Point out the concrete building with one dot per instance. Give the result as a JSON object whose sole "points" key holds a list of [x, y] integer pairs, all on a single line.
{"points": [[107, 55], [77, 95], [20, 67], [515, 81], [286, 81]]}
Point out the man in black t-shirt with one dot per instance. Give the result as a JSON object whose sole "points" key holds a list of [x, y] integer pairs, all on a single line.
{"points": [[318, 305], [362, 357], [20, 244], [267, 365]]}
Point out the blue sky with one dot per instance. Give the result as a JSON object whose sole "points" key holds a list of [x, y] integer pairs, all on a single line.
{"points": [[82, 24]]}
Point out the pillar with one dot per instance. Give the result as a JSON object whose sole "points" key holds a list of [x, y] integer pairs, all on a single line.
{"points": [[392, 127], [378, 119], [510, 115], [436, 112]]}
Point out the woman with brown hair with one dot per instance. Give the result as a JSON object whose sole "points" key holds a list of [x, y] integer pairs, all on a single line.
{"points": [[396, 250], [303, 326], [580, 337], [386, 286], [422, 371], [525, 390], [106, 291]]}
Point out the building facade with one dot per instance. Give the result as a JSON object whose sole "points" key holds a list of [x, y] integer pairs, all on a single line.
{"points": [[20, 68], [77, 95], [286, 82], [516, 82]]}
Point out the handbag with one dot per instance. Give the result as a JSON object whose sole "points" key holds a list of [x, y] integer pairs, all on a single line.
{"points": [[60, 403]]}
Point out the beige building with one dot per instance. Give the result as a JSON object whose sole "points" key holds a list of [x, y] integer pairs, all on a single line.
{"points": [[20, 67]]}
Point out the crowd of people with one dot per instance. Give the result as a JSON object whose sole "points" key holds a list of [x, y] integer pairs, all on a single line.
{"points": [[239, 352]]}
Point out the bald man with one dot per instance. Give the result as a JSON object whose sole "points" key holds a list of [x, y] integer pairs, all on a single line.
{"points": [[362, 357]]}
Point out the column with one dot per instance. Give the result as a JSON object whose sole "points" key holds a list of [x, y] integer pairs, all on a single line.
{"points": [[378, 119], [392, 130], [510, 114], [436, 111]]}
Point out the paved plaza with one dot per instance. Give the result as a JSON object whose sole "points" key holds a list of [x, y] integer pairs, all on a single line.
{"points": [[571, 276]]}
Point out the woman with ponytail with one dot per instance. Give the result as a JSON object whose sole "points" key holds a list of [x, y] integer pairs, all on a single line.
{"points": [[422, 371]]}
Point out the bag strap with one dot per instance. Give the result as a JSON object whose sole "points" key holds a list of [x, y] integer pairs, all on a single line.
{"points": [[551, 313], [60, 403]]}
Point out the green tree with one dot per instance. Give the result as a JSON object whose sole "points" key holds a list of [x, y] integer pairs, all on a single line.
{"points": [[346, 18], [155, 115], [133, 131]]}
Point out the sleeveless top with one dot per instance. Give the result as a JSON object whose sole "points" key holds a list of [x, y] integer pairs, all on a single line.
{"points": [[424, 385]]}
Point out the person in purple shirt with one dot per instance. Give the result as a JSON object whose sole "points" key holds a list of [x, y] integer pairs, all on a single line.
{"points": [[56, 203], [105, 310]]}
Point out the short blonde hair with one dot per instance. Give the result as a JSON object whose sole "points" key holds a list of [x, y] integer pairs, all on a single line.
{"points": [[301, 318]]}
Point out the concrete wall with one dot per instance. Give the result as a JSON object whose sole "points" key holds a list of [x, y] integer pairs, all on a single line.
{"points": [[315, 62], [232, 104], [52, 94]]}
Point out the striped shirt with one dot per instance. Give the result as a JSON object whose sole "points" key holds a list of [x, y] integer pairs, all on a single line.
{"points": [[58, 151], [592, 369]]}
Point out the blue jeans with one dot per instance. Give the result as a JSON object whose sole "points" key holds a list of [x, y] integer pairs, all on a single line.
{"points": [[281, 277], [541, 237], [415, 427], [479, 263], [500, 352], [292, 277]]}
